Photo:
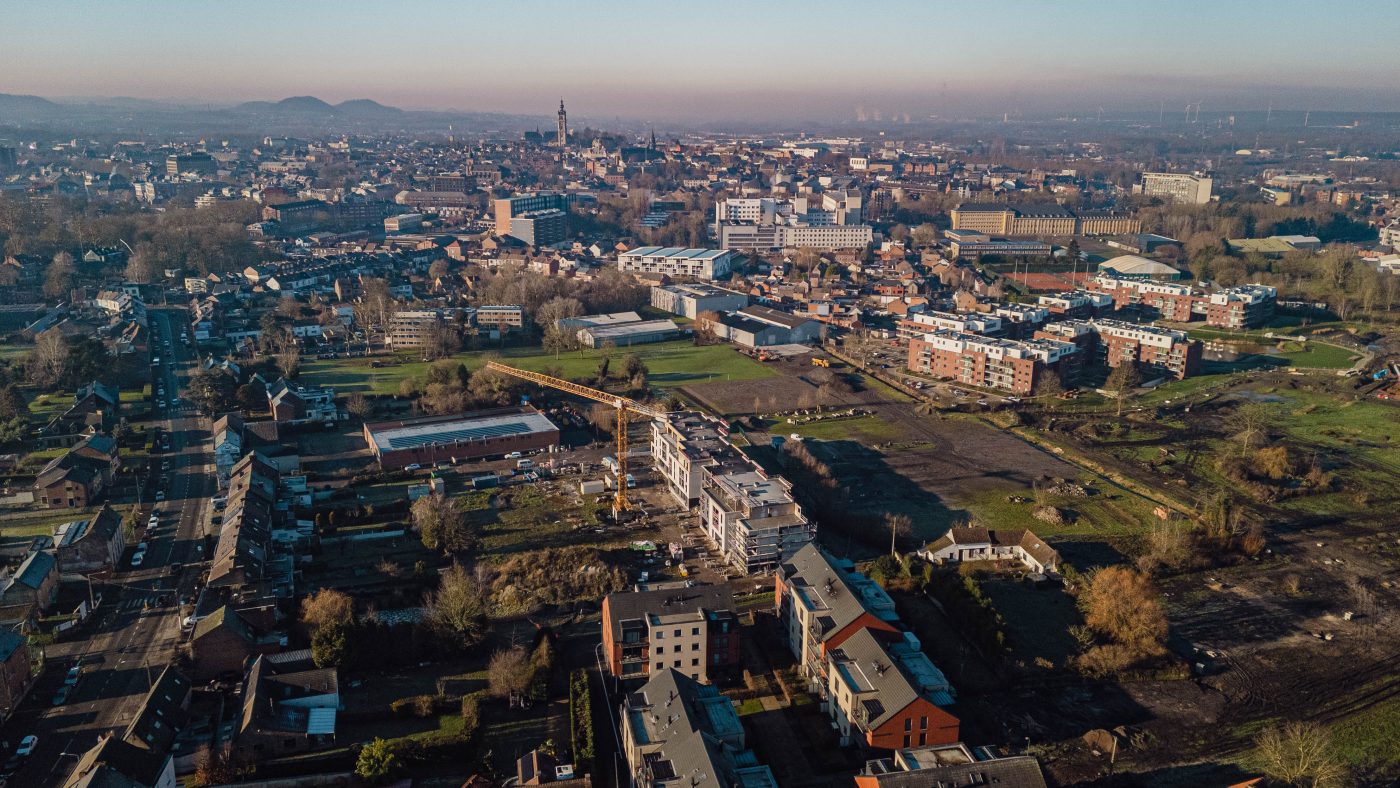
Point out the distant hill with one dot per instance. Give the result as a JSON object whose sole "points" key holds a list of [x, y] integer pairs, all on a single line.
{"points": [[10, 102], [366, 108]]}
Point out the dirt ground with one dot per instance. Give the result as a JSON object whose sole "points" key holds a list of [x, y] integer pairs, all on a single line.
{"points": [[799, 385]]}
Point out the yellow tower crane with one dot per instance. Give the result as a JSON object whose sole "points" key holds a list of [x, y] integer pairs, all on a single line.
{"points": [[625, 408]]}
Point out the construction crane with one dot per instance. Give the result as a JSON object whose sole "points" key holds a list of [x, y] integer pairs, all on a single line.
{"points": [[625, 408]]}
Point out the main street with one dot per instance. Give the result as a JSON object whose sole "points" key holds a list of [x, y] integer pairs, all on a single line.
{"points": [[136, 629]]}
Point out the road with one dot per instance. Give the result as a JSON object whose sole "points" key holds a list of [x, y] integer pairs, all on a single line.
{"points": [[136, 630]]}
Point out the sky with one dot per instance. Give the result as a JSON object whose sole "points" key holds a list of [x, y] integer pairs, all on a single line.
{"points": [[804, 59]]}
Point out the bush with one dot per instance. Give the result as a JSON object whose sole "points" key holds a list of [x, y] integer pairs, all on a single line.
{"points": [[962, 597], [581, 718], [420, 706]]}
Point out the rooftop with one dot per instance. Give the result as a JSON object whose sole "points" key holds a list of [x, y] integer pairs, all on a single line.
{"points": [[465, 428]]}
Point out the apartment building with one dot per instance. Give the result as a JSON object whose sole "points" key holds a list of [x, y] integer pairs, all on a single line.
{"points": [[1241, 307], [770, 223], [751, 518], [1076, 304], [821, 602], [1113, 343], [500, 317], [690, 629], [540, 228], [676, 730], [886, 694], [677, 261], [1176, 187], [682, 445], [1171, 301], [1013, 366], [415, 328]]}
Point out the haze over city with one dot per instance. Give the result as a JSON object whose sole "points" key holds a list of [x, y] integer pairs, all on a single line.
{"points": [[721, 61]]}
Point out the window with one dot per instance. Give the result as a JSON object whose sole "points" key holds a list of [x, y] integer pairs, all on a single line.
{"points": [[923, 739], [908, 723], [906, 741], [660, 665], [678, 633], [695, 631], [660, 635], [694, 646], [923, 723], [694, 663], [678, 663]]}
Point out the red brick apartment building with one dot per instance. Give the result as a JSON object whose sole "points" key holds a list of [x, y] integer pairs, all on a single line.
{"points": [[1236, 308], [1153, 350], [1003, 364]]}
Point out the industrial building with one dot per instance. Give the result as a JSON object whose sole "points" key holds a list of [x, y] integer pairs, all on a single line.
{"points": [[760, 326], [487, 433], [677, 261], [628, 334], [690, 300]]}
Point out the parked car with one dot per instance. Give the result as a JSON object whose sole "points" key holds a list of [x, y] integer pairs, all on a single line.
{"points": [[413, 467], [160, 495], [27, 745], [61, 697], [74, 673]]}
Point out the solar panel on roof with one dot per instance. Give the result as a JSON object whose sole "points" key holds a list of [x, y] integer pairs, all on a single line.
{"points": [[454, 436]]}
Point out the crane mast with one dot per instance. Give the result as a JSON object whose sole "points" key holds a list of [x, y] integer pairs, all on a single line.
{"points": [[624, 407]]}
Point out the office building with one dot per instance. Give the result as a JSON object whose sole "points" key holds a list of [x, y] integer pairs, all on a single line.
{"points": [[1041, 219], [676, 261], [691, 629], [500, 317], [198, 162], [418, 328], [506, 209], [540, 228], [769, 223], [1176, 187]]}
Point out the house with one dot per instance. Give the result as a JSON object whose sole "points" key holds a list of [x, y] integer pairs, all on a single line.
{"points": [[234, 438], [78, 478], [16, 675], [950, 766], [36, 581], [675, 729], [96, 408], [222, 642], [290, 403], [822, 602], [965, 543], [162, 713], [884, 693], [690, 629], [115, 763], [90, 545], [289, 706]]}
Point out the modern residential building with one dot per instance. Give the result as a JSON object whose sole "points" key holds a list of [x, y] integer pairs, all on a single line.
{"points": [[417, 328], [1113, 343], [1240, 307], [690, 629], [1075, 304], [885, 694], [485, 433], [506, 209], [676, 261], [751, 518], [1014, 366], [683, 444], [1176, 187], [676, 731], [967, 543], [690, 300], [821, 602], [950, 766]]}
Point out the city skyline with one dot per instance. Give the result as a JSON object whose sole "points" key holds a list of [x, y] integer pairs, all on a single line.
{"points": [[637, 61]]}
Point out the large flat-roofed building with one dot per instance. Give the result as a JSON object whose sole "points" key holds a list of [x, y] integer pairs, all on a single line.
{"points": [[1131, 266], [1177, 187], [751, 518], [1003, 364], [771, 223], [540, 228], [677, 261], [486, 433], [416, 328], [1243, 306], [1113, 343], [683, 444], [627, 334], [690, 300], [500, 317], [506, 209], [1046, 219], [760, 326]]}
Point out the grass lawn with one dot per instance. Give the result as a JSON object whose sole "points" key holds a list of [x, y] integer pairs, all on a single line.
{"points": [[867, 428], [1317, 355], [1371, 738], [46, 406], [1111, 512], [671, 364]]}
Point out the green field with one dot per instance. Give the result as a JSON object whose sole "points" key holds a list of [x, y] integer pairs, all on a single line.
{"points": [[1371, 739], [671, 365], [870, 429], [1317, 355]]}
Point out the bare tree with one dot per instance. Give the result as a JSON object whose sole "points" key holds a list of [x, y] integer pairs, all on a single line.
{"points": [[1301, 753], [289, 361], [49, 359], [358, 405], [509, 672], [457, 608], [901, 526], [58, 279], [328, 607]]}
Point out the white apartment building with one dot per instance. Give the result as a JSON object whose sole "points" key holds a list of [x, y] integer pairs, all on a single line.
{"points": [[751, 518], [1177, 187], [676, 261], [768, 223]]}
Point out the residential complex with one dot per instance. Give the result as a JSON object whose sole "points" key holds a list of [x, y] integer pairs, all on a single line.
{"points": [[1113, 343], [1013, 366], [1236, 308], [673, 261], [768, 223], [690, 629]]}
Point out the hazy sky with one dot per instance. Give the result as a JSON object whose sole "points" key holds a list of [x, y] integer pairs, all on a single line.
{"points": [[801, 59]]}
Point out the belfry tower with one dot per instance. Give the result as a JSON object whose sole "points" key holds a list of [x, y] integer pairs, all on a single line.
{"points": [[562, 135]]}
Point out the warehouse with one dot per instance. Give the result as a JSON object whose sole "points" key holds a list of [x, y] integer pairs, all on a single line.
{"points": [[487, 433], [628, 334]]}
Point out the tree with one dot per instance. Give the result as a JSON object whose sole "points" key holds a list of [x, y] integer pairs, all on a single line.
{"points": [[1122, 604], [330, 646], [12, 404], [328, 607], [457, 608], [58, 279], [213, 389], [555, 309], [1123, 379], [924, 234], [49, 360], [142, 265], [289, 361], [377, 761], [441, 523], [251, 397], [358, 405], [438, 269], [1250, 423], [509, 673], [1301, 753]]}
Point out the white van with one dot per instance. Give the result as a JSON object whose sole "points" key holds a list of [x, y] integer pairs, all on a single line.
{"points": [[526, 463]]}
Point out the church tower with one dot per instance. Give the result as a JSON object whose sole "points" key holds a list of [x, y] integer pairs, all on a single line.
{"points": [[562, 135]]}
